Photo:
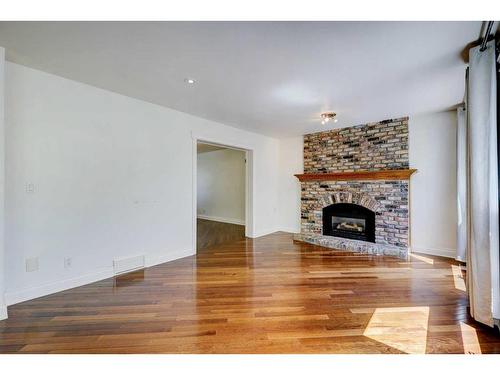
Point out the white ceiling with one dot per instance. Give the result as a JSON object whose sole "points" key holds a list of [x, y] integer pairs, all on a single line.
{"points": [[273, 78]]}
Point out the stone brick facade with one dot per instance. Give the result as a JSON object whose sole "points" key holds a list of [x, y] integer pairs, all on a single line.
{"points": [[370, 147], [375, 146], [391, 206]]}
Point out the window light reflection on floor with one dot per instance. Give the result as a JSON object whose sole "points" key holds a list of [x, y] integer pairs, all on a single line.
{"points": [[469, 339], [458, 278], [422, 258], [402, 328]]}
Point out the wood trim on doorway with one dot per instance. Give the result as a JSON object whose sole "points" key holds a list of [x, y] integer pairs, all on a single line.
{"points": [[249, 180]]}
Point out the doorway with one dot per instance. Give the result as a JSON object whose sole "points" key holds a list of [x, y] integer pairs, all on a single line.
{"points": [[221, 195]]}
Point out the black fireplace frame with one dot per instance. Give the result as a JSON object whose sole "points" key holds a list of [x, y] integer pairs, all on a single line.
{"points": [[349, 210]]}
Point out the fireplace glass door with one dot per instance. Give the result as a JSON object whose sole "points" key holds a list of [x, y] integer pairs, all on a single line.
{"points": [[349, 220], [348, 226]]}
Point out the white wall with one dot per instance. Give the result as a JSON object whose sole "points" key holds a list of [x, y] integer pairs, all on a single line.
{"points": [[112, 177], [291, 163], [221, 186], [3, 308], [433, 188]]}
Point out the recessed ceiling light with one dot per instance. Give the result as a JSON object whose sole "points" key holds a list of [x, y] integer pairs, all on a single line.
{"points": [[189, 81]]}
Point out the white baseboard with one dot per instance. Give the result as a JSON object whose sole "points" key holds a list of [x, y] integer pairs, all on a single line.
{"points": [[155, 260], [222, 219], [271, 231], [3, 312], [288, 230], [442, 252], [22, 295], [263, 233]]}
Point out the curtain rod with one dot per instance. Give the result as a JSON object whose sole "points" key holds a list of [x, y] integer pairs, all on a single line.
{"points": [[486, 35]]}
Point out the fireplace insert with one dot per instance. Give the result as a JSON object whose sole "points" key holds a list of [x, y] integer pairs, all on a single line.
{"points": [[349, 220]]}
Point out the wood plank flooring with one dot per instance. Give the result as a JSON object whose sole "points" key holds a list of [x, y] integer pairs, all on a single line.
{"points": [[211, 233], [268, 295]]}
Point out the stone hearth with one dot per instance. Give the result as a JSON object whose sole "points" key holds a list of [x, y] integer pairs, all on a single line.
{"points": [[373, 147]]}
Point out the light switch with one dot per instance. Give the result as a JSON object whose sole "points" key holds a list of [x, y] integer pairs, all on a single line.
{"points": [[30, 188]]}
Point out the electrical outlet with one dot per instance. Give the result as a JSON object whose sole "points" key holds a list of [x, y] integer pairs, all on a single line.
{"points": [[32, 264], [67, 262]]}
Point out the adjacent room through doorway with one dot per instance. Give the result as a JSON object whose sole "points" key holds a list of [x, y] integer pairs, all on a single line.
{"points": [[221, 180]]}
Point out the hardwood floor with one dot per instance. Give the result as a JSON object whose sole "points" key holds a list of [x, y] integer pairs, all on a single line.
{"points": [[268, 295], [211, 233]]}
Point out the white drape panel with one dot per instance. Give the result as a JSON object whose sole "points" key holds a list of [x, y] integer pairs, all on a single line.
{"points": [[462, 184], [483, 242]]}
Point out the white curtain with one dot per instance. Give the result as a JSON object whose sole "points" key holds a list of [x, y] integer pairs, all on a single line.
{"points": [[483, 234], [462, 184]]}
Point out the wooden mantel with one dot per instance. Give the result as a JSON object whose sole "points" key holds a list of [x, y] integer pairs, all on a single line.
{"points": [[396, 174]]}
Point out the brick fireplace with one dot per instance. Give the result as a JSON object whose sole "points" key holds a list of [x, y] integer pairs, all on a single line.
{"points": [[358, 180]]}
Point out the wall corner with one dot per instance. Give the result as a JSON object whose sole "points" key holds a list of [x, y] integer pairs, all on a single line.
{"points": [[3, 307]]}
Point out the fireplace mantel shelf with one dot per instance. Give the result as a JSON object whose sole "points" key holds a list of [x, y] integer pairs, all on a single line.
{"points": [[395, 174]]}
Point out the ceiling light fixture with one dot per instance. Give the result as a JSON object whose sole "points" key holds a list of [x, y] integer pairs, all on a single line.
{"points": [[327, 116], [189, 81]]}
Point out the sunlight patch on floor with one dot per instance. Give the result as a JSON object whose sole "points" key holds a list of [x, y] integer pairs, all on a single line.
{"points": [[402, 328], [458, 279], [469, 339], [422, 258]]}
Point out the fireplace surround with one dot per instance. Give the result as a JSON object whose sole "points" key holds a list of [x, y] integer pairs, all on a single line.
{"points": [[355, 189]]}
